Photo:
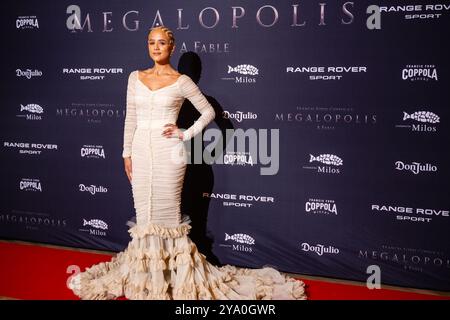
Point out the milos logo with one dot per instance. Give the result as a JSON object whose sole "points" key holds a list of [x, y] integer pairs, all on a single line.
{"points": [[244, 69], [34, 110], [422, 116], [428, 121], [415, 167], [319, 249], [240, 237], [96, 223], [247, 73], [91, 151], [30, 184], [97, 227], [331, 161], [245, 241]]}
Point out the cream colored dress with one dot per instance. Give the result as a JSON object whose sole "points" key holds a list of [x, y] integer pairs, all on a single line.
{"points": [[161, 261]]}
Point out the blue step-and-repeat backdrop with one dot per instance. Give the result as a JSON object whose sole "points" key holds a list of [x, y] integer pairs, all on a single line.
{"points": [[352, 97]]}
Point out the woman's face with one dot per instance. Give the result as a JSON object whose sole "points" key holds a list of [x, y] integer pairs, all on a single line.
{"points": [[159, 46]]}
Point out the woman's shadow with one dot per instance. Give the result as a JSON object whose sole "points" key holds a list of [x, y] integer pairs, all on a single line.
{"points": [[199, 178]]}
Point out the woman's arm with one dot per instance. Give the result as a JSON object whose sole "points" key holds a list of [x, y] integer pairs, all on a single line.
{"points": [[130, 118], [192, 92]]}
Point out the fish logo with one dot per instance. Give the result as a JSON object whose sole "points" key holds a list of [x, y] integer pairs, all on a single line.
{"points": [[329, 159], [422, 116], [244, 69], [34, 108], [240, 237], [95, 223]]}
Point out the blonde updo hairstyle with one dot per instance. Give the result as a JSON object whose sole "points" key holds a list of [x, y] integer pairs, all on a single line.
{"points": [[167, 31]]}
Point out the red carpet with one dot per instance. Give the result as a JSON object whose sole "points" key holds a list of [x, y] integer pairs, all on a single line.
{"points": [[34, 272]]}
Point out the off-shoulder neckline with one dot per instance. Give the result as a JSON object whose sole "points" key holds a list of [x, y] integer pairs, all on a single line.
{"points": [[170, 85]]}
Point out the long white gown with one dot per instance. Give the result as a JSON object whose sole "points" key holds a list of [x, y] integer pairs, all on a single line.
{"points": [[161, 261]]}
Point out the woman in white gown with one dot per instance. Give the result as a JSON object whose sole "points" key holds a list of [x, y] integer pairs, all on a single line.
{"points": [[161, 261]]}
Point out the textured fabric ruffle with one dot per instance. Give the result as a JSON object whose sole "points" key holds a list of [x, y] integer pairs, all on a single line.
{"points": [[138, 231], [163, 263]]}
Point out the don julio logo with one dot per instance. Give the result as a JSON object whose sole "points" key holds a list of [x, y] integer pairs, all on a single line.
{"points": [[90, 151], [319, 249], [415, 167], [92, 189], [239, 115], [28, 73]]}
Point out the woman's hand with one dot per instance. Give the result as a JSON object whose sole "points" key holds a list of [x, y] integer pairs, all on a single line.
{"points": [[172, 130], [127, 164]]}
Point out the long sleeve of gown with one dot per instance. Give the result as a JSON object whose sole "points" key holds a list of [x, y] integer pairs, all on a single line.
{"points": [[192, 92], [130, 117]]}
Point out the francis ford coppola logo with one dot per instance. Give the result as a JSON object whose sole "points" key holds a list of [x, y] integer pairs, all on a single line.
{"points": [[413, 259]]}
